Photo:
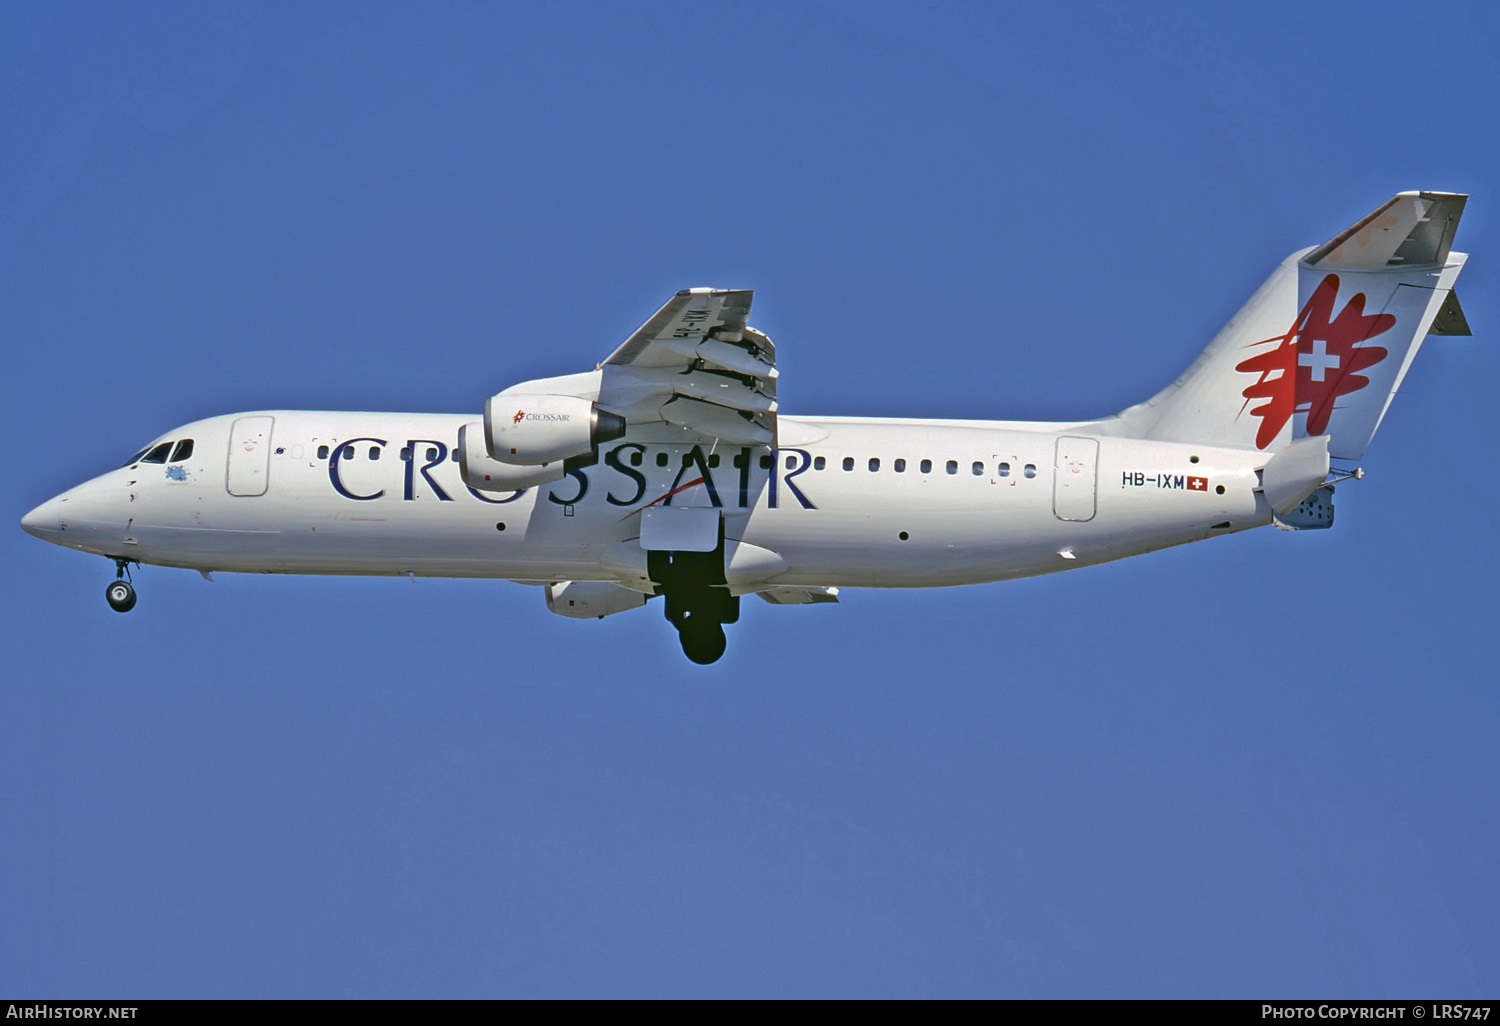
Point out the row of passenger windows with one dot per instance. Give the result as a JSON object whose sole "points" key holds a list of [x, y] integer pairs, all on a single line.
{"points": [[978, 468], [166, 452], [347, 453]]}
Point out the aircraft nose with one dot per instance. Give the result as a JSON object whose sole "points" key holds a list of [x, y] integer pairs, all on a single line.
{"points": [[45, 521]]}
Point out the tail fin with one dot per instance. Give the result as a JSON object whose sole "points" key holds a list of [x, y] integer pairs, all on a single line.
{"points": [[1323, 345]]}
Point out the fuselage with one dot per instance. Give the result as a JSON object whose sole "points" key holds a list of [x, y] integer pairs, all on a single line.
{"points": [[844, 502]]}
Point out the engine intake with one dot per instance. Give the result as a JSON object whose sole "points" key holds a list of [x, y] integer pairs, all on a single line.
{"points": [[487, 475], [530, 430]]}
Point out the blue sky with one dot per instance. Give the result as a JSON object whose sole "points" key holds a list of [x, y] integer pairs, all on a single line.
{"points": [[1259, 766]]}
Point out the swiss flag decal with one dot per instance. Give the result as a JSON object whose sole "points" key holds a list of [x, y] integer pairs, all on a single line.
{"points": [[1197, 484]]}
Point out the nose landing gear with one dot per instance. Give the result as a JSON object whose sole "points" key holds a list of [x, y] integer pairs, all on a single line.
{"points": [[120, 594]]}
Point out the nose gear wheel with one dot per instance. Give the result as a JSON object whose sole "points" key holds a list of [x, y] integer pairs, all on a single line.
{"points": [[120, 594]]}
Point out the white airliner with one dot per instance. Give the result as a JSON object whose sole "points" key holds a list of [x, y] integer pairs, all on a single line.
{"points": [[668, 469]]}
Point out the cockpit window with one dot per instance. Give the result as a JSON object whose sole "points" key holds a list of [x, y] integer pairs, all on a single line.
{"points": [[183, 451], [158, 454], [136, 458]]}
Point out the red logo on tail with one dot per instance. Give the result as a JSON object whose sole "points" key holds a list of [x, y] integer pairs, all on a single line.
{"points": [[520, 415], [1318, 360]]}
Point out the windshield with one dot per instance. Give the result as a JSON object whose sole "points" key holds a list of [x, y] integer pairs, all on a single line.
{"points": [[158, 454]]}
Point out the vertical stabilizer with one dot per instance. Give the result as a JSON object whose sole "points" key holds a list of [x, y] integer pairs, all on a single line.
{"points": [[1322, 347]]}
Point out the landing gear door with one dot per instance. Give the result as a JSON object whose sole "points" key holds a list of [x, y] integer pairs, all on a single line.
{"points": [[249, 455], [680, 529], [1075, 475]]}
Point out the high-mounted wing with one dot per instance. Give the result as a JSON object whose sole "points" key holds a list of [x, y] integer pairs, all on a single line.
{"points": [[695, 363]]}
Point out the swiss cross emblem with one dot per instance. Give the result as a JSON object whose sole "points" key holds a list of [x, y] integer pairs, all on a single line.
{"points": [[1197, 484], [1315, 362]]}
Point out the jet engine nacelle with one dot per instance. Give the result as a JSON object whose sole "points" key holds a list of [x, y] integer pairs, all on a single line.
{"points": [[587, 600], [530, 430], [487, 475]]}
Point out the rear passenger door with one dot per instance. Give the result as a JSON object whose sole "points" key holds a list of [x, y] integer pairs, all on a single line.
{"points": [[1074, 477]]}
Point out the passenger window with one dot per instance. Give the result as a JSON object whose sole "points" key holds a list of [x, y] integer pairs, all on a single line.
{"points": [[158, 454], [740, 461], [978, 469], [661, 459], [713, 460], [926, 466], [819, 463], [431, 454], [791, 463], [765, 463], [874, 464], [953, 466], [322, 452], [453, 455], [1005, 470], [635, 457], [183, 451], [1030, 470], [899, 466], [848, 462], [405, 453], [347, 452], [374, 452]]}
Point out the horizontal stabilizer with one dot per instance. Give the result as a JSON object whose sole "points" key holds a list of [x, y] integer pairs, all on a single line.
{"points": [[1323, 346], [1414, 229]]}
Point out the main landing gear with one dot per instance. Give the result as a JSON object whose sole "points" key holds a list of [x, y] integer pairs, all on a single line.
{"points": [[702, 642], [120, 594], [698, 600]]}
